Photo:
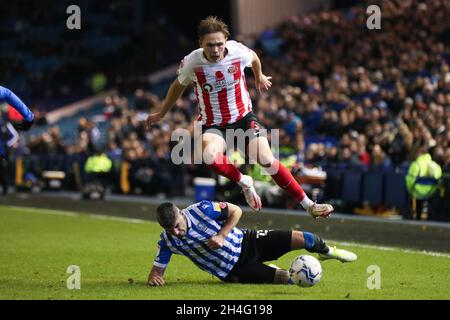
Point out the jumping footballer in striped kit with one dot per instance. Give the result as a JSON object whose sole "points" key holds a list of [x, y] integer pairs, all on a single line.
{"points": [[217, 71]]}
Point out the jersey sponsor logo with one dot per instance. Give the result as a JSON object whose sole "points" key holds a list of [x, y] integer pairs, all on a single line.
{"points": [[220, 82], [219, 85], [205, 206], [202, 227], [217, 207], [206, 87]]}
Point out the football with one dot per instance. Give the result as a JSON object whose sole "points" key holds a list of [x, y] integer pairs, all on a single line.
{"points": [[305, 271]]}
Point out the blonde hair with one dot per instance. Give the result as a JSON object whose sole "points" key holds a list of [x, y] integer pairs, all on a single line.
{"points": [[212, 24]]}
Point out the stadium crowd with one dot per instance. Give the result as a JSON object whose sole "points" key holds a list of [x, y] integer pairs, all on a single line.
{"points": [[50, 65], [342, 96]]}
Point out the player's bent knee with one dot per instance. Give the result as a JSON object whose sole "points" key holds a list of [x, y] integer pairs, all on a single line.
{"points": [[269, 164], [298, 241], [266, 161], [211, 157]]}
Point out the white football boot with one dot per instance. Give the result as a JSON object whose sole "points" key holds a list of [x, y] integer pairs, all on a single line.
{"points": [[320, 210], [338, 254], [252, 198]]}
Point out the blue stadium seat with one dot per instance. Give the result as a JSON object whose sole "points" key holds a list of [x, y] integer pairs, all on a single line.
{"points": [[372, 188], [333, 187], [351, 185], [395, 193]]}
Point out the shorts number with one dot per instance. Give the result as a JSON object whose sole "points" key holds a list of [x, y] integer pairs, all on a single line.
{"points": [[261, 233]]}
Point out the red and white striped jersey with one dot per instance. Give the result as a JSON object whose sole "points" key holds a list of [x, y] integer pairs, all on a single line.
{"points": [[220, 87]]}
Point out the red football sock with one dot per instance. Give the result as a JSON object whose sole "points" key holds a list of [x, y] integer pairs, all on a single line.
{"points": [[225, 168], [286, 181]]}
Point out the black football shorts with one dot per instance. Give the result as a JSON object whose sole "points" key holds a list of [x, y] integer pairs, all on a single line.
{"points": [[260, 246], [249, 124]]}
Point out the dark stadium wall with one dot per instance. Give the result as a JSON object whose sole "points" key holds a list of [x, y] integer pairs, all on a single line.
{"points": [[185, 15], [253, 16]]}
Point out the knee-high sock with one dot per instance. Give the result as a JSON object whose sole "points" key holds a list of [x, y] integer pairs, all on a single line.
{"points": [[285, 180], [314, 243], [224, 167]]}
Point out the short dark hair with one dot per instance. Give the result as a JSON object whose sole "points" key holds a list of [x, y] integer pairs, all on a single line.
{"points": [[166, 213], [212, 24]]}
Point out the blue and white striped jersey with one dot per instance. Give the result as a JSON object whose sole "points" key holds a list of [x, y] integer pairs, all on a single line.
{"points": [[204, 221]]}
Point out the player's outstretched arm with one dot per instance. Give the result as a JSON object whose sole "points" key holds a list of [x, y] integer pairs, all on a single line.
{"points": [[175, 91], [14, 101], [155, 277], [261, 81]]}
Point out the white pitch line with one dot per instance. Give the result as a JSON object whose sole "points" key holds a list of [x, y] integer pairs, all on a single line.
{"points": [[370, 246], [45, 211], [76, 214], [133, 220], [121, 219]]}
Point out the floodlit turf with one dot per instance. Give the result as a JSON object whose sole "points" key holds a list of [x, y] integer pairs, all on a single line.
{"points": [[115, 256]]}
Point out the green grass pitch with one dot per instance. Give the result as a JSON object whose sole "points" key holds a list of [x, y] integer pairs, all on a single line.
{"points": [[115, 256]]}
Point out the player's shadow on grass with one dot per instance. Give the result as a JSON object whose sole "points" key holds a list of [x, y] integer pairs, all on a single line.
{"points": [[170, 284], [185, 283], [192, 282]]}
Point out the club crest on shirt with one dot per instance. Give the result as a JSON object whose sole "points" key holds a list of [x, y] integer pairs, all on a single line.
{"points": [[232, 69]]}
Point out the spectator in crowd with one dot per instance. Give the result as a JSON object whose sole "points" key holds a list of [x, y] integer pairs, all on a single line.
{"points": [[98, 168], [443, 210], [380, 161], [422, 182]]}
